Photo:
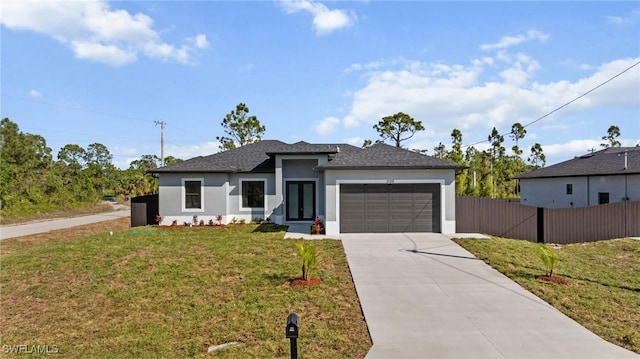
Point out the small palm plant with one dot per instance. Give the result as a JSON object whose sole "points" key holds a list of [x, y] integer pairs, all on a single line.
{"points": [[309, 259], [549, 257]]}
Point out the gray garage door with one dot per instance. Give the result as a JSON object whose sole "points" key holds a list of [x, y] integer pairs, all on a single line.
{"points": [[389, 208]]}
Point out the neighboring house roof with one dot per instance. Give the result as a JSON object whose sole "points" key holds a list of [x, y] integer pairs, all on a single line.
{"points": [[258, 157], [610, 161]]}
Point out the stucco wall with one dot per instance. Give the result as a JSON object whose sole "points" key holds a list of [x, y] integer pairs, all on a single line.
{"points": [[446, 179], [171, 197], [551, 192], [235, 197]]}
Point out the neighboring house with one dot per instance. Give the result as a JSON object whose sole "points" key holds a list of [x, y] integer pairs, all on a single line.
{"points": [[376, 189], [607, 176]]}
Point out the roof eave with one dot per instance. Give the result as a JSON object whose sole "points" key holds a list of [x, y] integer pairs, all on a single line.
{"points": [[580, 175], [323, 168]]}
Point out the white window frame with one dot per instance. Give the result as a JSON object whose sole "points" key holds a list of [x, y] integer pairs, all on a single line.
{"points": [[184, 195], [264, 190]]}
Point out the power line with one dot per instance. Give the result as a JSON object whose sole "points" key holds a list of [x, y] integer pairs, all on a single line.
{"points": [[567, 103], [76, 108], [196, 135]]}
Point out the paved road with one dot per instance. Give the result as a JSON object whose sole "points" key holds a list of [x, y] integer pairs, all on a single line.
{"points": [[424, 296], [20, 230]]}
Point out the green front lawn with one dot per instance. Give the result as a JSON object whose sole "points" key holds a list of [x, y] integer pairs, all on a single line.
{"points": [[603, 290], [173, 292]]}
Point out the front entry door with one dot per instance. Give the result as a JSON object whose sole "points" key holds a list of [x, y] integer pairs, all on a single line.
{"points": [[301, 200]]}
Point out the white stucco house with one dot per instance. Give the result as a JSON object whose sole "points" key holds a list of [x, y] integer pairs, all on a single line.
{"points": [[353, 190], [607, 176]]}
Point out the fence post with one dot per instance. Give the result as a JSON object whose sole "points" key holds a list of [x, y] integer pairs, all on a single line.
{"points": [[540, 222]]}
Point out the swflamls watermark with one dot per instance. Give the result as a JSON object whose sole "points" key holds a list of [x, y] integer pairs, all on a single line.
{"points": [[30, 349]]}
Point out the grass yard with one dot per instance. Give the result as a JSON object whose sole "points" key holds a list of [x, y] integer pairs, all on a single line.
{"points": [[603, 290], [173, 292]]}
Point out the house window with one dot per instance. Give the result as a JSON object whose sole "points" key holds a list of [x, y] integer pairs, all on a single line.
{"points": [[603, 197], [252, 193], [192, 194], [569, 188]]}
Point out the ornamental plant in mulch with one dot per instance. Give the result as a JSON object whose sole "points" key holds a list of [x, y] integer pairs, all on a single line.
{"points": [[549, 258], [309, 260], [317, 227]]}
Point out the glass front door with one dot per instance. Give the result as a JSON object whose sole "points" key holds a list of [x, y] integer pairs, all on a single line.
{"points": [[301, 201]]}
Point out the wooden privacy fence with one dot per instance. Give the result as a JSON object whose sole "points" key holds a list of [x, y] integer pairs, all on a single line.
{"points": [[144, 210], [510, 219]]}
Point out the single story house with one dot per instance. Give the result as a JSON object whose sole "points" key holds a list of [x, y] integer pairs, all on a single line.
{"points": [[606, 176], [376, 189]]}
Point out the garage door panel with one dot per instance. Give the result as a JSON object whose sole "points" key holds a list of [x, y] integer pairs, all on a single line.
{"points": [[374, 188], [382, 208]]}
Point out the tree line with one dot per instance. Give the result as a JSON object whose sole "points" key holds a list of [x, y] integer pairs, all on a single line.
{"points": [[489, 172], [32, 181]]}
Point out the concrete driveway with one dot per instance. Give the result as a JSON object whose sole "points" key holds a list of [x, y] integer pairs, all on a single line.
{"points": [[423, 296]]}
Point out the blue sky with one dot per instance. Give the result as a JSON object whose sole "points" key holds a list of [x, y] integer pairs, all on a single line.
{"points": [[323, 72]]}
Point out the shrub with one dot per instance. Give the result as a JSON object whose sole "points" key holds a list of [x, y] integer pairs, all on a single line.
{"points": [[317, 227]]}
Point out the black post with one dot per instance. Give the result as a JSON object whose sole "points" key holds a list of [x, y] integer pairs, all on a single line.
{"points": [[540, 222], [294, 348], [291, 332]]}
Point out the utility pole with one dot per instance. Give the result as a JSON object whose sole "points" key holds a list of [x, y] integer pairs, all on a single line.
{"points": [[161, 123]]}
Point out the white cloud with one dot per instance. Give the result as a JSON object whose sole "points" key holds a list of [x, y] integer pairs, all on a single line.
{"points": [[325, 20], [189, 151], [93, 31], [508, 41], [372, 65], [108, 54], [615, 19], [246, 68], [327, 125], [35, 93], [445, 96], [355, 141], [200, 41], [567, 151], [125, 151], [562, 152], [630, 18]]}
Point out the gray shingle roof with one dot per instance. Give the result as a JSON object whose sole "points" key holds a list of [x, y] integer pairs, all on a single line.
{"points": [[384, 156], [307, 148], [609, 161], [248, 158], [258, 158]]}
